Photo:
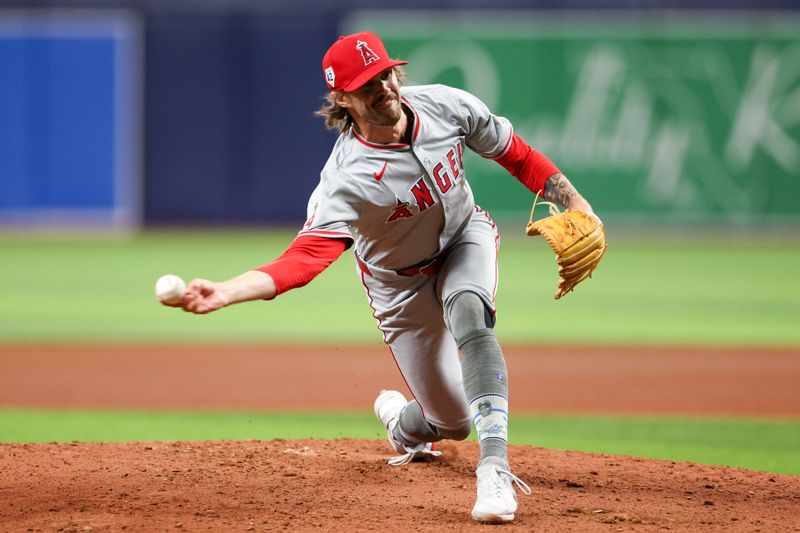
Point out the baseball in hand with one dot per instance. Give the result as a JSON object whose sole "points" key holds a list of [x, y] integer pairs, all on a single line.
{"points": [[170, 289]]}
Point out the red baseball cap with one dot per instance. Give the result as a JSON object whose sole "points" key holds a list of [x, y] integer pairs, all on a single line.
{"points": [[354, 59]]}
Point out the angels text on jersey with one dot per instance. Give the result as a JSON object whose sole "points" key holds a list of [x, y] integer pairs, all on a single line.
{"points": [[421, 192]]}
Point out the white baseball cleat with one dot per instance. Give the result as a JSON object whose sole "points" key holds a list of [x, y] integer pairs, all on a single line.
{"points": [[388, 406], [497, 501]]}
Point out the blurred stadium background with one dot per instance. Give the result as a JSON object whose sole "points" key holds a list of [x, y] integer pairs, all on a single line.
{"points": [[139, 119], [130, 114]]}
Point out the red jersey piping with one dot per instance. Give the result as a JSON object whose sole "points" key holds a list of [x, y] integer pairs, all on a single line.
{"points": [[329, 234], [504, 151], [394, 146], [416, 117]]}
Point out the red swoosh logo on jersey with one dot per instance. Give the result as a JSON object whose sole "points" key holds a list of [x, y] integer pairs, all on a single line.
{"points": [[379, 175]]}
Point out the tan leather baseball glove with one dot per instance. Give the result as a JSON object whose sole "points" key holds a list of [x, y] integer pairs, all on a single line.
{"points": [[577, 238]]}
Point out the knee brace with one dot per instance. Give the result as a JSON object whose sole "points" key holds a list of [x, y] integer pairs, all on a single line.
{"points": [[469, 318]]}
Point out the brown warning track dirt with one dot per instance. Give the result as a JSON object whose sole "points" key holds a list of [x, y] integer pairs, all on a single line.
{"points": [[652, 380], [344, 485]]}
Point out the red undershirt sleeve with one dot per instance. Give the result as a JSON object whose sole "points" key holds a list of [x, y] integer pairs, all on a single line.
{"points": [[305, 259], [530, 167]]}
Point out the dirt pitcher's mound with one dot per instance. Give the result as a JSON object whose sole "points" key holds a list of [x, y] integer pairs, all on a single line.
{"points": [[346, 485]]}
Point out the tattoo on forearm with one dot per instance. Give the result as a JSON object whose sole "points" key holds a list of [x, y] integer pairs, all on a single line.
{"points": [[558, 189]]}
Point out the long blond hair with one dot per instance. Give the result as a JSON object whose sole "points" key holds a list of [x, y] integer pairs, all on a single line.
{"points": [[336, 117]]}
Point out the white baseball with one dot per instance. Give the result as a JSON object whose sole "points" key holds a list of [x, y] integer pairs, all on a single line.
{"points": [[170, 289]]}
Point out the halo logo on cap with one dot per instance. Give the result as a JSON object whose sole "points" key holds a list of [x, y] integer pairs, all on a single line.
{"points": [[330, 76], [366, 53]]}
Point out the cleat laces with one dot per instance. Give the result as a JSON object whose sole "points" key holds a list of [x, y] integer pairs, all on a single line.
{"points": [[412, 452], [496, 485]]}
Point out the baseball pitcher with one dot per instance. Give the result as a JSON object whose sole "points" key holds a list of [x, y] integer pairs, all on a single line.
{"points": [[396, 190]]}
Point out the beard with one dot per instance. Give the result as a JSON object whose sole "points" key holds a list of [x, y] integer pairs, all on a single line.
{"points": [[385, 112]]}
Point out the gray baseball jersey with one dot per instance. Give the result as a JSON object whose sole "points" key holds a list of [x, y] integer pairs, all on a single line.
{"points": [[408, 206]]}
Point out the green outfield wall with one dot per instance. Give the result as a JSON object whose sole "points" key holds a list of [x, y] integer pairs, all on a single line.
{"points": [[657, 117]]}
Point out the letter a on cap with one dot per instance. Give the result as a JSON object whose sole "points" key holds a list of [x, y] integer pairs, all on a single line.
{"points": [[366, 53]]}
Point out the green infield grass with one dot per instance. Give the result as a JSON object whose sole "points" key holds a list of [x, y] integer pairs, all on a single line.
{"points": [[769, 445], [704, 292]]}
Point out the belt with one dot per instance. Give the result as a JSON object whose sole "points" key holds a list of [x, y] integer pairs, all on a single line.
{"points": [[428, 268]]}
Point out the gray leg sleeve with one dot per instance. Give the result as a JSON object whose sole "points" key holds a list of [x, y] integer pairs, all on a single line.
{"points": [[483, 365]]}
